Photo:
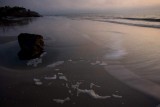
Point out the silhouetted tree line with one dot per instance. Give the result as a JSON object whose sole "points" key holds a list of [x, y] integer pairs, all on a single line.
{"points": [[16, 11]]}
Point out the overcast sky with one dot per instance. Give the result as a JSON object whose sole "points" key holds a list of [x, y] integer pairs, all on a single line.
{"points": [[55, 6]]}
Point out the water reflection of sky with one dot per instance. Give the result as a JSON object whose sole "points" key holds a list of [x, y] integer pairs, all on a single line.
{"points": [[9, 24], [136, 47]]}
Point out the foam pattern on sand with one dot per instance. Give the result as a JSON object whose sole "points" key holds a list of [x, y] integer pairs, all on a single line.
{"points": [[37, 81], [63, 78], [95, 63], [76, 86], [73, 87], [75, 90], [102, 63], [60, 73], [61, 101], [56, 69], [51, 78], [92, 84], [91, 93], [56, 64], [36, 61], [116, 96]]}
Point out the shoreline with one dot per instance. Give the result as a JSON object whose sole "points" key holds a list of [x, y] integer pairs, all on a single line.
{"points": [[133, 80], [73, 72]]}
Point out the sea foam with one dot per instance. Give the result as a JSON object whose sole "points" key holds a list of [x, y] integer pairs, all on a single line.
{"points": [[56, 64]]}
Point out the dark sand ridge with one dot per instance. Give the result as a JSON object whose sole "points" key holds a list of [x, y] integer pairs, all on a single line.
{"points": [[19, 87]]}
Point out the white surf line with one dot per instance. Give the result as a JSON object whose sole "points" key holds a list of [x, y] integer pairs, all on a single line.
{"points": [[133, 80]]}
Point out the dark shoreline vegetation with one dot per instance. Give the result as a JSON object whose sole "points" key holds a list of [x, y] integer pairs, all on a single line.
{"points": [[16, 16], [16, 11]]}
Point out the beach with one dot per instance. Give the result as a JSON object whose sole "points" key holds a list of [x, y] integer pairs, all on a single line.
{"points": [[81, 66]]}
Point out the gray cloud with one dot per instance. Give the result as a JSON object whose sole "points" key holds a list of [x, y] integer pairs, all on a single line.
{"points": [[54, 6]]}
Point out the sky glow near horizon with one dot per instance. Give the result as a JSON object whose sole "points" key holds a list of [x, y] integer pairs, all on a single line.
{"points": [[82, 5]]}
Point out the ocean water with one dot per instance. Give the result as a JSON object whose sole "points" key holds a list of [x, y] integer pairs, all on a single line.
{"points": [[134, 20], [134, 41]]}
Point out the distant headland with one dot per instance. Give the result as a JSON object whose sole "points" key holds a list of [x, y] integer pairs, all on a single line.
{"points": [[16, 11]]}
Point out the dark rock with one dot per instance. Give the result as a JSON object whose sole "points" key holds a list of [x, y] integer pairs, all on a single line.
{"points": [[32, 46]]}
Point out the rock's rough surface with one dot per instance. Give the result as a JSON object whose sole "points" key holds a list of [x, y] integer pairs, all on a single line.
{"points": [[32, 46]]}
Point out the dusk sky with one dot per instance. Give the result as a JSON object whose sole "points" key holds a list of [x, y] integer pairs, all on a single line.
{"points": [[55, 6]]}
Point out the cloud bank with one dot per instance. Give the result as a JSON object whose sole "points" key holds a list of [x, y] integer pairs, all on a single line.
{"points": [[53, 6]]}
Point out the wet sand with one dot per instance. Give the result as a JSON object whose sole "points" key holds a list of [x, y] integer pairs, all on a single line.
{"points": [[76, 78], [6, 39]]}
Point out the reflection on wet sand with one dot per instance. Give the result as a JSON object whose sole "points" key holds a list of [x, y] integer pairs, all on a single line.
{"points": [[10, 23]]}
